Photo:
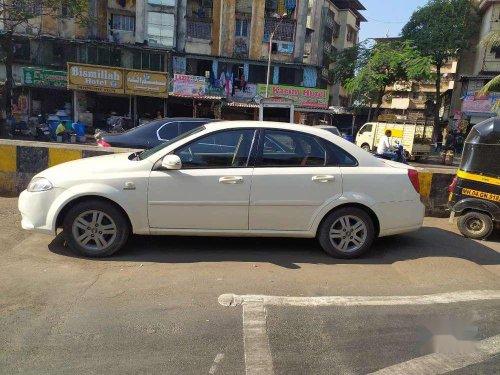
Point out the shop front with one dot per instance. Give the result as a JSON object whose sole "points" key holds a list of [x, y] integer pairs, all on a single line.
{"points": [[100, 92], [309, 104]]}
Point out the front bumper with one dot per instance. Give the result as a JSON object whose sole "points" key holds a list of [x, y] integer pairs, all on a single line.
{"points": [[35, 209]]}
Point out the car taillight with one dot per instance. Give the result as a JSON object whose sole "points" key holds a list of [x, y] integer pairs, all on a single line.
{"points": [[413, 176], [453, 185], [103, 143]]}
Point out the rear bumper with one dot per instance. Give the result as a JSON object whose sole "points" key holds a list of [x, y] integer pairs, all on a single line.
{"points": [[399, 217]]}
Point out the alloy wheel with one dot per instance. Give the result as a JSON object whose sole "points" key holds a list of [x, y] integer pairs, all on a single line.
{"points": [[348, 233], [94, 230]]}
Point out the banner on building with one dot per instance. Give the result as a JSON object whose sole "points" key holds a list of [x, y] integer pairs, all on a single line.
{"points": [[95, 78], [480, 104], [146, 83], [188, 85], [301, 96], [44, 78]]}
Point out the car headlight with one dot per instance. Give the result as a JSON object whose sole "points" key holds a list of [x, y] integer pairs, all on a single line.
{"points": [[39, 184]]}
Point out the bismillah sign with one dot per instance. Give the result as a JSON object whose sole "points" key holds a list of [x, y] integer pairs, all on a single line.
{"points": [[117, 80], [95, 78]]}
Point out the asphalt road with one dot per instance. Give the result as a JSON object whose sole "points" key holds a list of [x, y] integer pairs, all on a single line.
{"points": [[154, 308]]}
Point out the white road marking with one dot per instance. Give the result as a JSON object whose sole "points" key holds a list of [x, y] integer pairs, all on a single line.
{"points": [[258, 359], [218, 358], [441, 363], [453, 297]]}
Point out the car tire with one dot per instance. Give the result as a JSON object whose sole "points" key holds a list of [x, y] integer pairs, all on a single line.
{"points": [[366, 147], [95, 228], [475, 225], [349, 224]]}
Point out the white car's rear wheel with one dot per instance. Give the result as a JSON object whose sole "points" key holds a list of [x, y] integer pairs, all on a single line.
{"points": [[347, 233], [95, 228]]}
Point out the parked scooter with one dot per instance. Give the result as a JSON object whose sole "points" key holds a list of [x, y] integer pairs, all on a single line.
{"points": [[115, 124]]}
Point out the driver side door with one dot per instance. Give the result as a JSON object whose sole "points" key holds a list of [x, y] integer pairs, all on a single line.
{"points": [[211, 191]]}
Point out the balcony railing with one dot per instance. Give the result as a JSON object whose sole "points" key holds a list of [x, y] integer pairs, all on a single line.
{"points": [[285, 32], [199, 28]]}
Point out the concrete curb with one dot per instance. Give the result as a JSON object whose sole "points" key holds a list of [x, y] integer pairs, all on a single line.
{"points": [[21, 160]]}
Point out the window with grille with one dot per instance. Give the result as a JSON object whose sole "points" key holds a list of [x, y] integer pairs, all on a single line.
{"points": [[170, 3], [123, 23], [241, 28]]}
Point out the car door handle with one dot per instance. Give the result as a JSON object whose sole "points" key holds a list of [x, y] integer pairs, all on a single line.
{"points": [[231, 180], [323, 178]]}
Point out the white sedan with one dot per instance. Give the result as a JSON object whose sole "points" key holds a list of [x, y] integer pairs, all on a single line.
{"points": [[240, 178]]}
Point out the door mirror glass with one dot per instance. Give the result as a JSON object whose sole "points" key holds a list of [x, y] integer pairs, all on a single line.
{"points": [[171, 162]]}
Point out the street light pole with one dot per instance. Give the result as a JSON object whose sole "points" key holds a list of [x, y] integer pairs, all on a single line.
{"points": [[269, 53]]}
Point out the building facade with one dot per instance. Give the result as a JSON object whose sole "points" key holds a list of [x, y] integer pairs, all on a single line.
{"points": [[214, 54], [332, 25], [477, 66]]}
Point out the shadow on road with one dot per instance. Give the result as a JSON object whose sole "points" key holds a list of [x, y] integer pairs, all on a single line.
{"points": [[289, 253]]}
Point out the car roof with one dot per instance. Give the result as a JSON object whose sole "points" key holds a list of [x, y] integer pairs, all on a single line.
{"points": [[187, 119], [325, 126]]}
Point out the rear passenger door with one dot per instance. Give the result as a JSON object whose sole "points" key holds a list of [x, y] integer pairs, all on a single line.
{"points": [[293, 178]]}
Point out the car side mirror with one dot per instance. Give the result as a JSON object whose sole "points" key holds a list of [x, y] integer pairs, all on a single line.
{"points": [[172, 162]]}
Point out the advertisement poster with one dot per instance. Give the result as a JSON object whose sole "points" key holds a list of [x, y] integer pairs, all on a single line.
{"points": [[146, 83], [188, 85], [483, 104], [248, 93], [302, 96]]}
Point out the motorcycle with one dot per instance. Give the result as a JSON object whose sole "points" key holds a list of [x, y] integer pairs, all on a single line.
{"points": [[115, 124], [399, 154]]}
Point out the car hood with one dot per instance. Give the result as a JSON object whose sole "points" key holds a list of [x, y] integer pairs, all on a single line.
{"points": [[91, 169]]}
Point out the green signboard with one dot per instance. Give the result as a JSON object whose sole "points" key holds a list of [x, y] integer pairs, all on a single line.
{"points": [[302, 96], [44, 78]]}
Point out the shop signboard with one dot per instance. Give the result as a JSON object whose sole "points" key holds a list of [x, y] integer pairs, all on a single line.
{"points": [[188, 85], [146, 83], [44, 78], [301, 96], [482, 104], [95, 78]]}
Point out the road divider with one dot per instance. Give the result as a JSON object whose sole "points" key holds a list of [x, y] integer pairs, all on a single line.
{"points": [[21, 160]]}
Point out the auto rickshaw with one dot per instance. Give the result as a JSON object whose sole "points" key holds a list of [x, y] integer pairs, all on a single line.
{"points": [[475, 191]]}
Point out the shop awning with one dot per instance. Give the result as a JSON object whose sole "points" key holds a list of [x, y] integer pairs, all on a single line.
{"points": [[204, 97], [242, 105]]}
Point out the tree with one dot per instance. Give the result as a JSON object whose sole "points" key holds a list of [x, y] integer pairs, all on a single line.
{"points": [[18, 14], [442, 29], [491, 40], [366, 72]]}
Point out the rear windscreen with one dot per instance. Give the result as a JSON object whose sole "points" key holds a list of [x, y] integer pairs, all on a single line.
{"points": [[482, 159]]}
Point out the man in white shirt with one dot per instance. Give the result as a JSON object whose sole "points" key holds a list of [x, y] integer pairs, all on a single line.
{"points": [[384, 148]]}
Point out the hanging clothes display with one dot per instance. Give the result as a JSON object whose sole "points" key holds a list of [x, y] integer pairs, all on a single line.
{"points": [[281, 7], [290, 4], [271, 4]]}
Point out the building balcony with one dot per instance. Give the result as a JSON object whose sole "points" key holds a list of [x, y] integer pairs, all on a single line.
{"points": [[336, 30], [285, 32], [199, 28]]}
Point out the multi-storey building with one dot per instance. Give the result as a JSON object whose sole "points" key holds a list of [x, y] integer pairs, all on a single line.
{"points": [[476, 67], [332, 25], [213, 52]]}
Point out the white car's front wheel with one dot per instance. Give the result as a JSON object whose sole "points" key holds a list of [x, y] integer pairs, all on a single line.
{"points": [[95, 228], [346, 233]]}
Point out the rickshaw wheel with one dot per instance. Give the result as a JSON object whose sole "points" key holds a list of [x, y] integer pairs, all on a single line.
{"points": [[475, 225]]}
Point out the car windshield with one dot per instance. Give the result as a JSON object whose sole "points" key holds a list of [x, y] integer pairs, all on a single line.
{"points": [[146, 154], [333, 131]]}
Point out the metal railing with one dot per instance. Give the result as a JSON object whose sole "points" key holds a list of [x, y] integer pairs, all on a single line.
{"points": [[284, 33], [199, 28]]}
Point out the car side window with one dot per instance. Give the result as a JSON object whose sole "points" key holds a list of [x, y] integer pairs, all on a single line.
{"points": [[226, 149], [337, 156], [290, 149], [169, 131], [185, 126]]}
